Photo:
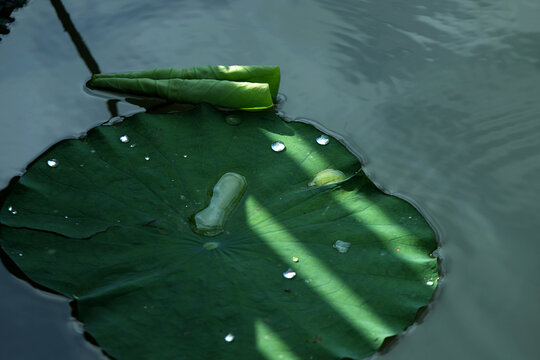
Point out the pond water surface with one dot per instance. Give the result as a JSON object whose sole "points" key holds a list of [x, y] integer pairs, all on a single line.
{"points": [[440, 99]]}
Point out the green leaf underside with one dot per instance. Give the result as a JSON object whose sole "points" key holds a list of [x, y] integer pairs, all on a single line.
{"points": [[239, 87], [146, 285]]}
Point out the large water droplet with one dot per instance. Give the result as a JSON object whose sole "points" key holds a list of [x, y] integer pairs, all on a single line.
{"points": [[233, 120], [278, 146], [327, 176], [289, 274], [322, 140], [124, 138], [342, 246], [229, 337], [52, 163], [226, 194]]}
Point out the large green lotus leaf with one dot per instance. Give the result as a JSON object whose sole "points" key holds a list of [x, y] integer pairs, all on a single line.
{"points": [[111, 225], [239, 87]]}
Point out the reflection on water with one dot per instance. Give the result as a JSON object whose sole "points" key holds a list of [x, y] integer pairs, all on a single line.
{"points": [[438, 98]]}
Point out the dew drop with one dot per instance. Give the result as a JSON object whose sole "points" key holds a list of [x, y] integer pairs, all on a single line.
{"points": [[233, 120], [342, 246], [132, 145], [229, 337], [124, 138], [278, 146], [147, 158], [14, 212], [66, 217], [52, 163], [10, 208], [295, 259], [323, 140], [92, 151], [185, 156], [20, 254], [211, 245], [289, 274], [430, 283]]}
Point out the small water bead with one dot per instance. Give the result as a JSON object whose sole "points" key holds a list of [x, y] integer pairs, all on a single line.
{"points": [[211, 245], [233, 120], [289, 274], [132, 145], [323, 140], [10, 208], [20, 254], [92, 151], [278, 146], [341, 246], [147, 158], [229, 337], [295, 259], [430, 283], [124, 138], [52, 163]]}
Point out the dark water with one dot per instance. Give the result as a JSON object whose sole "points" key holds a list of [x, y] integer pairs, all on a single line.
{"points": [[439, 98]]}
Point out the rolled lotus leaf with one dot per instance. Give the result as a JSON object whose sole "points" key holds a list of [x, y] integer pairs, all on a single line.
{"points": [[242, 87], [254, 74]]}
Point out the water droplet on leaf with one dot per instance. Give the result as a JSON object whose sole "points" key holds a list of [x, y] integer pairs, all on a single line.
{"points": [[233, 120], [327, 176], [323, 140], [52, 163], [147, 158], [278, 146], [229, 337], [289, 274], [295, 259], [124, 138], [342, 246]]}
